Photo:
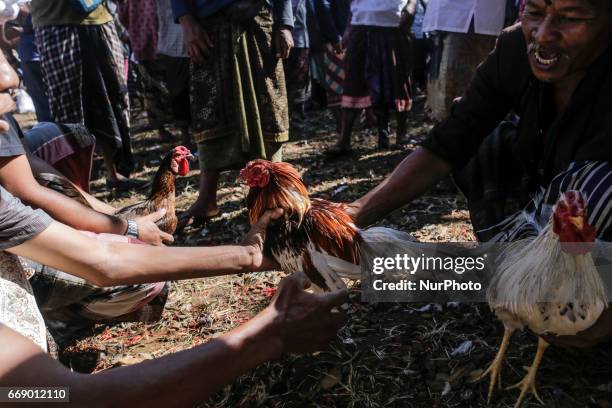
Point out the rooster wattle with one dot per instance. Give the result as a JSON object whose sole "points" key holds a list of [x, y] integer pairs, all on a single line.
{"points": [[548, 284]]}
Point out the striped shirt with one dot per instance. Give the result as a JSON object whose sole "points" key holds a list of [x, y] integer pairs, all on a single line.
{"points": [[592, 178]]}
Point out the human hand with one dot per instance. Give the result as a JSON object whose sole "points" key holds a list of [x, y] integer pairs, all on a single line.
{"points": [[7, 104], [337, 47], [305, 322], [197, 41], [283, 40], [352, 210], [256, 237], [599, 332], [346, 37], [149, 232]]}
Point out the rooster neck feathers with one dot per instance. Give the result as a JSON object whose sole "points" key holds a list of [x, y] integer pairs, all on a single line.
{"points": [[275, 185], [309, 226], [544, 285], [164, 179]]}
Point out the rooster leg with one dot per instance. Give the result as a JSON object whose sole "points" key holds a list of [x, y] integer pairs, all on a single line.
{"points": [[495, 369], [528, 384]]}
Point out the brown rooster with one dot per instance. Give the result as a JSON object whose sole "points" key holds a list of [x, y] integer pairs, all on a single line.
{"points": [[549, 284], [315, 236], [162, 191]]}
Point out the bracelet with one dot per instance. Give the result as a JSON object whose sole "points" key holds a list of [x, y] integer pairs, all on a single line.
{"points": [[132, 229]]}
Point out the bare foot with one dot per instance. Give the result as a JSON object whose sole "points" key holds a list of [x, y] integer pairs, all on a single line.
{"points": [[196, 217]]}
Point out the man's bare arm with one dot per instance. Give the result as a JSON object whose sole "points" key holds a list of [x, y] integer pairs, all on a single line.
{"points": [[296, 321], [417, 173], [16, 176], [110, 264]]}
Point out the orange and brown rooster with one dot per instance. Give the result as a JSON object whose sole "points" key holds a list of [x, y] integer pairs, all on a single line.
{"points": [[162, 191], [315, 236], [309, 227]]}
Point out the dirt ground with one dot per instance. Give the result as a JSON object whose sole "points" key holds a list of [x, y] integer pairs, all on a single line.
{"points": [[391, 355]]}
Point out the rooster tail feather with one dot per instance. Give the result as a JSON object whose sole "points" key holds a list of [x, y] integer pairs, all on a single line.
{"points": [[340, 267], [325, 266]]}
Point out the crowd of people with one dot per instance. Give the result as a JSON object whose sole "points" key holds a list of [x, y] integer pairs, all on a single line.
{"points": [[519, 91]]}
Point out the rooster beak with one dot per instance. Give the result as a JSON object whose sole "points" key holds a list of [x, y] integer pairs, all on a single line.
{"points": [[189, 156], [577, 222]]}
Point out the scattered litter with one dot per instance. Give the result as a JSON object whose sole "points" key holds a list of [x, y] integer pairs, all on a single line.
{"points": [[464, 348]]}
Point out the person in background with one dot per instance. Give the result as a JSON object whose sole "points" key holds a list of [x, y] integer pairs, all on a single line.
{"points": [[377, 69], [29, 62], [420, 48], [333, 18], [173, 57], [139, 18], [238, 90], [297, 66], [83, 69], [462, 33]]}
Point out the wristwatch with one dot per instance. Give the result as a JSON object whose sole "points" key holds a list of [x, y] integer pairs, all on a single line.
{"points": [[132, 229]]}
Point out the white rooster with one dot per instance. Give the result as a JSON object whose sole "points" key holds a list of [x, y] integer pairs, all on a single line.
{"points": [[548, 284]]}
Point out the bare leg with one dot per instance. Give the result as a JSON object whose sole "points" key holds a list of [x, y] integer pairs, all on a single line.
{"points": [[338, 118], [382, 125], [528, 384], [111, 172], [495, 369], [343, 145], [402, 131], [206, 204]]}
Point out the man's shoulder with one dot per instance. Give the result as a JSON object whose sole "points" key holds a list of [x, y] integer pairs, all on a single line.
{"points": [[511, 49], [512, 40]]}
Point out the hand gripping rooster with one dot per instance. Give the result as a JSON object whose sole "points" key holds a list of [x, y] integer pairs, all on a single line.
{"points": [[548, 284], [315, 236], [162, 191]]}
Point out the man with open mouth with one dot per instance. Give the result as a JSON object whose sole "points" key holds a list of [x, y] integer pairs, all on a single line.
{"points": [[552, 76]]}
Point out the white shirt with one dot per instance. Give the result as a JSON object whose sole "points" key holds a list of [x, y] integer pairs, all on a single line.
{"points": [[456, 15], [381, 13]]}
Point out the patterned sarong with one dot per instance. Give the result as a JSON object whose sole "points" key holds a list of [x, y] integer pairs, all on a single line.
{"points": [[238, 97], [334, 76], [83, 70]]}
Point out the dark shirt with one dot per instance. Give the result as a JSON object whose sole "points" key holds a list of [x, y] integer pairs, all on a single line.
{"points": [[545, 146], [18, 222], [281, 9], [27, 50], [332, 16]]}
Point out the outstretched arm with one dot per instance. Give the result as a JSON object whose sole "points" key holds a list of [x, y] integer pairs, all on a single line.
{"points": [[111, 264], [296, 321], [16, 176]]}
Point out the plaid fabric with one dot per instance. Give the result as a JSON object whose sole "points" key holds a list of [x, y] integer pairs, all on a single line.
{"points": [[72, 56], [334, 76], [61, 66]]}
